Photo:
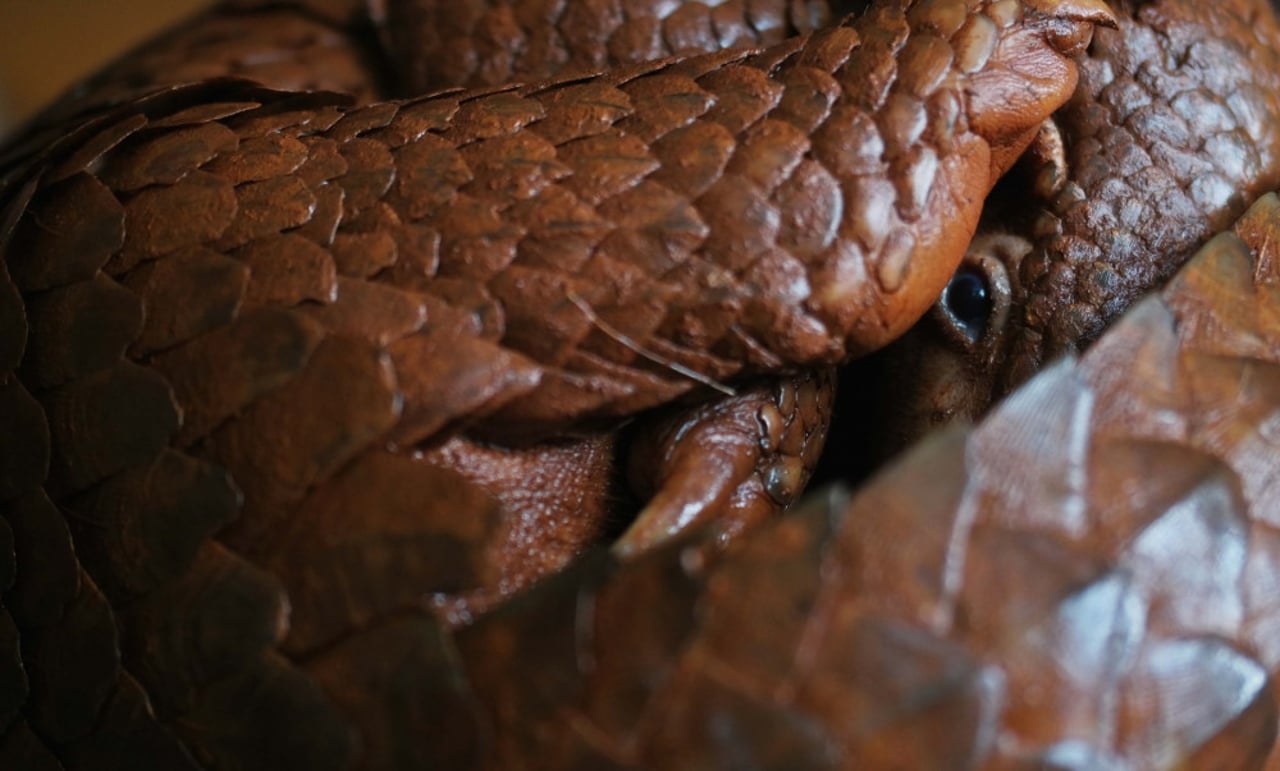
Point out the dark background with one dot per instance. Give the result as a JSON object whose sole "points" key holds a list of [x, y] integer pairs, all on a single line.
{"points": [[46, 45]]}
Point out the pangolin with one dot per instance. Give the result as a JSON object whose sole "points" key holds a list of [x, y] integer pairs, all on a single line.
{"points": [[264, 512]]}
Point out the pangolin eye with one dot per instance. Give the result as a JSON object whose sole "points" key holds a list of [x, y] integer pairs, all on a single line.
{"points": [[969, 301], [974, 308]]}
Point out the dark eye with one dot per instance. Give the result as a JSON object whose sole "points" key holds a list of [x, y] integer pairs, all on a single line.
{"points": [[968, 301], [974, 308]]}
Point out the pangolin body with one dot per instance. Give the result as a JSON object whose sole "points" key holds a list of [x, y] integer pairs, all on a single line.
{"points": [[300, 383]]}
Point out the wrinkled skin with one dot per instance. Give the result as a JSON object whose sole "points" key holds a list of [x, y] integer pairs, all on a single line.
{"points": [[245, 689], [1173, 131]]}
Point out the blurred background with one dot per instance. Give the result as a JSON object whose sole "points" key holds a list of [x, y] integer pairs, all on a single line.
{"points": [[47, 45]]}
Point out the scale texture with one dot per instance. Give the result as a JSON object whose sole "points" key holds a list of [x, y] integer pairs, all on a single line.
{"points": [[304, 389]]}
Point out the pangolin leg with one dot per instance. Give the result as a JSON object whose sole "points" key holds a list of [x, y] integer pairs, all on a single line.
{"points": [[728, 464]]}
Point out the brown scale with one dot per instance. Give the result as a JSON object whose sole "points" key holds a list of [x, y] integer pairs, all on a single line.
{"points": [[1173, 131], [484, 42]]}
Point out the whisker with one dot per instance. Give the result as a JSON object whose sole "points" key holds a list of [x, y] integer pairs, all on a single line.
{"points": [[634, 346]]}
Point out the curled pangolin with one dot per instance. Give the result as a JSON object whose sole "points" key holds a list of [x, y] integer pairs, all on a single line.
{"points": [[541, 257]]}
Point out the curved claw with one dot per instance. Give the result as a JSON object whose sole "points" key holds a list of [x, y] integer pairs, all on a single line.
{"points": [[734, 462]]}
